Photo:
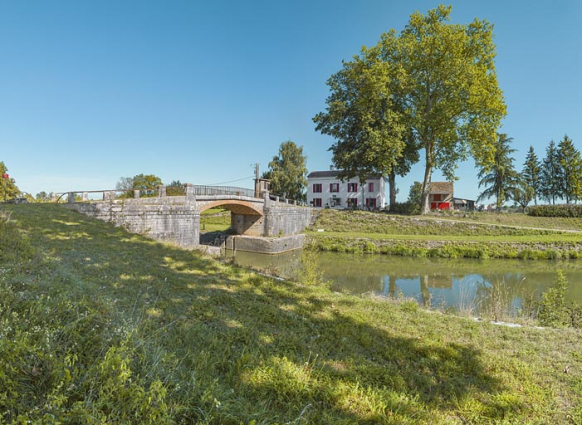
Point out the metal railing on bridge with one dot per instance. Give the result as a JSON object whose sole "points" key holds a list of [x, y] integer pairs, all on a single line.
{"points": [[223, 190], [165, 191]]}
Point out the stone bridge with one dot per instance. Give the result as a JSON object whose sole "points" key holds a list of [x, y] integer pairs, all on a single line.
{"points": [[176, 219]]}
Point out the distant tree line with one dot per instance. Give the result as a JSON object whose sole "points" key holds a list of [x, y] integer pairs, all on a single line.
{"points": [[558, 176], [148, 184]]}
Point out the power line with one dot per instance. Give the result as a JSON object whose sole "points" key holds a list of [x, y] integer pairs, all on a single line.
{"points": [[232, 181]]}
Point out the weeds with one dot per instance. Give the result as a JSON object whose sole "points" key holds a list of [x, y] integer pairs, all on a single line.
{"points": [[554, 310]]}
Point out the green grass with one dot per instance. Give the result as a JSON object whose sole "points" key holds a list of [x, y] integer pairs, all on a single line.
{"points": [[101, 326], [367, 222], [215, 220], [359, 231], [535, 238]]}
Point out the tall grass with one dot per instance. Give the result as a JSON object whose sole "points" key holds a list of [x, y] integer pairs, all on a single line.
{"points": [[101, 326]]}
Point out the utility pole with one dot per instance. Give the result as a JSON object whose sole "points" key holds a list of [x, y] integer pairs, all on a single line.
{"points": [[257, 184]]}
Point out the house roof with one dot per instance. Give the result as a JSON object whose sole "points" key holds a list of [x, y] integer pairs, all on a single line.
{"points": [[335, 174], [441, 187]]}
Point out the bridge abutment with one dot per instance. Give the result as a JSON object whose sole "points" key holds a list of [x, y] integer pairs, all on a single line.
{"points": [[162, 219], [248, 225]]}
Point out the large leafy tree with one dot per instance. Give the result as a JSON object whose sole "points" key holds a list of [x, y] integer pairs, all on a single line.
{"points": [[147, 184], [363, 116], [500, 179], [8, 188], [288, 172], [436, 79], [450, 90], [410, 156], [571, 170], [551, 174], [522, 193], [531, 173]]}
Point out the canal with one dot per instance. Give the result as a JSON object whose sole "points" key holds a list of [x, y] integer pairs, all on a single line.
{"points": [[477, 287]]}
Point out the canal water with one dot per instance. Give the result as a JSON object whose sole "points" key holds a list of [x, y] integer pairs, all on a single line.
{"points": [[474, 286]]}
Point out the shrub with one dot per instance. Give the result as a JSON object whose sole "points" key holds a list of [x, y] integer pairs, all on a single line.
{"points": [[405, 208], [552, 306], [555, 211], [309, 271]]}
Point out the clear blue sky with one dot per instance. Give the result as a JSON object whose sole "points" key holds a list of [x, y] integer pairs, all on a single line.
{"points": [[197, 91]]}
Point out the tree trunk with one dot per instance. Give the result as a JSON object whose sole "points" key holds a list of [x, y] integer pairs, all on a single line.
{"points": [[424, 199], [392, 190]]}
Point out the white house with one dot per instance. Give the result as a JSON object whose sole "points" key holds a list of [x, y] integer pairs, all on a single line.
{"points": [[325, 189]]}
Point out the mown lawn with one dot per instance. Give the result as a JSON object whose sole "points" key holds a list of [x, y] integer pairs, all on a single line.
{"points": [[101, 326], [371, 222], [533, 238], [522, 220], [215, 220], [360, 231]]}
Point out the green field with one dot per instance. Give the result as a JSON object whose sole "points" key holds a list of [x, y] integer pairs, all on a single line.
{"points": [[215, 220], [101, 326], [447, 237]]}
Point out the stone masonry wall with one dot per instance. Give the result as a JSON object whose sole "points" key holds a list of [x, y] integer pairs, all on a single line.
{"points": [[162, 219], [264, 245], [282, 220], [250, 225]]}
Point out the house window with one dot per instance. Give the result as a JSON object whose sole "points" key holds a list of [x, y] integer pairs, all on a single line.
{"points": [[334, 187], [371, 187], [317, 202], [352, 203], [352, 187], [437, 197], [371, 202], [317, 188]]}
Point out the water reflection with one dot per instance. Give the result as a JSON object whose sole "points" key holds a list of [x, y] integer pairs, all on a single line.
{"points": [[477, 286]]}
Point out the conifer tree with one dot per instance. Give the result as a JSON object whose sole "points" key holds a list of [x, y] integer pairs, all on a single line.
{"points": [[551, 175], [500, 180], [531, 173], [571, 168]]}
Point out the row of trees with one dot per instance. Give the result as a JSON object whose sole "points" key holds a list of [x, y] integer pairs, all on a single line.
{"points": [[148, 184], [432, 88], [557, 176]]}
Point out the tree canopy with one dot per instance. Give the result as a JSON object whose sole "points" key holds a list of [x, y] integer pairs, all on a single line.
{"points": [[288, 172], [551, 174], [531, 173], [147, 184], [8, 188], [571, 170], [362, 116], [434, 80], [500, 179]]}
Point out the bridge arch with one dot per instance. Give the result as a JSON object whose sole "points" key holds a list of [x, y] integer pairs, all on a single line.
{"points": [[234, 206]]}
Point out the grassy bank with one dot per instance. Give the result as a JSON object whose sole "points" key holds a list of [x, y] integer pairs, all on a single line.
{"points": [[215, 220], [100, 326], [365, 232]]}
